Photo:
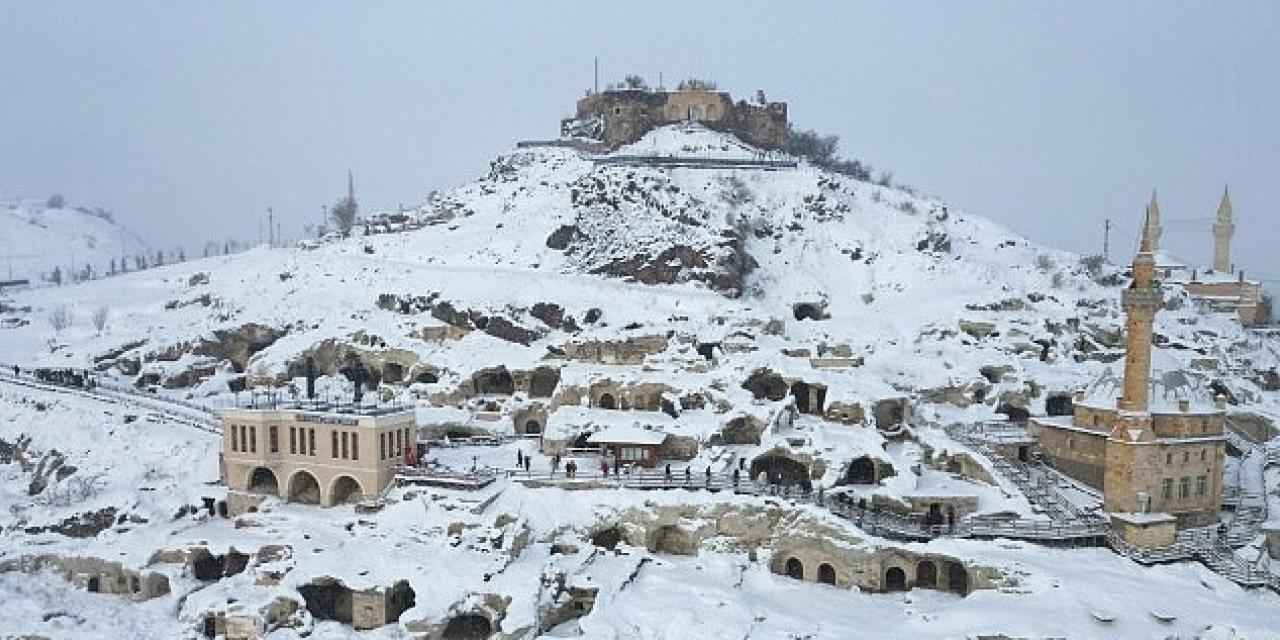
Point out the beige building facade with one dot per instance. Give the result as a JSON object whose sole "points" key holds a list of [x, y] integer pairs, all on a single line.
{"points": [[314, 457]]}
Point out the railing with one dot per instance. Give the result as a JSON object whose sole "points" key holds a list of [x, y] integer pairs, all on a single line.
{"points": [[204, 418]]}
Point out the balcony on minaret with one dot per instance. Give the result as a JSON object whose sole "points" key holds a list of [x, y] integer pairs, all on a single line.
{"points": [[1141, 298]]}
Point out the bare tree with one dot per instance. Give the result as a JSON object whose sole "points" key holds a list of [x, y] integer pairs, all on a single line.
{"points": [[100, 318], [60, 318], [343, 213]]}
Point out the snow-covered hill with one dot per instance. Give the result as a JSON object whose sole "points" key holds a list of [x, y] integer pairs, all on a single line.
{"points": [[37, 238], [709, 299]]}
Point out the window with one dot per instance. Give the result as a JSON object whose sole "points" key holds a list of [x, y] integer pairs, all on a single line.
{"points": [[1202, 454], [273, 437], [399, 442], [253, 439], [355, 446], [312, 438], [293, 439], [334, 449], [1071, 443], [1166, 489], [1184, 487], [382, 446], [1168, 458], [1186, 457], [1202, 485], [234, 438], [344, 445], [632, 454]]}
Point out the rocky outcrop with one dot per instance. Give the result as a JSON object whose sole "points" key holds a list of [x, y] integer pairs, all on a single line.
{"points": [[238, 345], [94, 575], [765, 384], [629, 351]]}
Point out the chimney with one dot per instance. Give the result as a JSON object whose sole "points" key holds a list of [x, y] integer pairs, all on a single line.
{"points": [[1184, 405], [311, 378], [1242, 276], [1220, 402]]}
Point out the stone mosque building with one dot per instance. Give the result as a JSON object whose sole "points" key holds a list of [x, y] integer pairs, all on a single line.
{"points": [[1157, 464]]}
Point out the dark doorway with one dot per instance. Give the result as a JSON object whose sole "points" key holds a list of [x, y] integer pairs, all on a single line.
{"points": [[532, 427], [800, 391], [795, 569], [951, 516], [806, 311], [827, 574], [263, 481], [927, 575], [1024, 454], [543, 382], [93, 585], [327, 600], [958, 579], [1059, 404], [467, 627], [895, 579], [934, 516], [210, 626], [304, 488], [495, 382], [607, 538], [780, 470], [861, 471], [606, 401], [345, 490]]}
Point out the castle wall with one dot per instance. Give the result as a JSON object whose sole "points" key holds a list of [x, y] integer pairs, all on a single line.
{"points": [[628, 114]]}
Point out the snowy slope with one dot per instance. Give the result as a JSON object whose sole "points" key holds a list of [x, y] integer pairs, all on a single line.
{"points": [[36, 239]]}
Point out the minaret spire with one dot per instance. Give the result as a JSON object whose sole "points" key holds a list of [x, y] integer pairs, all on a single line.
{"points": [[1140, 301], [1152, 224], [1223, 229], [351, 187]]}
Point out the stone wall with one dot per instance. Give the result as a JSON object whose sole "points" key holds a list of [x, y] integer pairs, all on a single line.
{"points": [[94, 575], [1079, 454], [629, 114]]}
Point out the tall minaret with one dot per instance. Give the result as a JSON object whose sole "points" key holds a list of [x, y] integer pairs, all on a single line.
{"points": [[1223, 229], [1140, 301], [351, 187], [1153, 229]]}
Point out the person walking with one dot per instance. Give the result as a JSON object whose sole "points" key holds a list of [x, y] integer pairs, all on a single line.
{"points": [[526, 464], [687, 476], [604, 468], [735, 478], [667, 474], [708, 476], [519, 458]]}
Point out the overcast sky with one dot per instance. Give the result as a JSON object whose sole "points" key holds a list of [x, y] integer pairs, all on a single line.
{"points": [[189, 119]]}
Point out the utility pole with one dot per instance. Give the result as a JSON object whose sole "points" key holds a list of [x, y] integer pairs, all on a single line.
{"points": [[271, 228], [1106, 241], [324, 219], [596, 69]]}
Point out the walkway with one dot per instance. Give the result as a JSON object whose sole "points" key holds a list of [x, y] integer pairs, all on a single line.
{"points": [[694, 162], [186, 413]]}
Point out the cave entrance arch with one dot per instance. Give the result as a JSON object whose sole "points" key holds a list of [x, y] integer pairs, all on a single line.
{"points": [[934, 517], [895, 579], [607, 401], [495, 382], [94, 585], [861, 471], [801, 392], [304, 488], [471, 626], [532, 427], [328, 600], [795, 569], [780, 470], [263, 480], [345, 489], [958, 579], [927, 575], [827, 574], [806, 311]]}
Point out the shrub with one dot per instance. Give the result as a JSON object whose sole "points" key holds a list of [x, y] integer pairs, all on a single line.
{"points": [[736, 193], [1044, 263], [1265, 310], [634, 81], [343, 213], [55, 201], [60, 318], [697, 84], [1093, 265]]}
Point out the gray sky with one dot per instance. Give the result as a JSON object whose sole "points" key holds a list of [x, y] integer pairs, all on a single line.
{"points": [[190, 119]]}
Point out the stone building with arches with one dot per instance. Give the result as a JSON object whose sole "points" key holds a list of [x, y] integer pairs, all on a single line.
{"points": [[314, 457], [879, 570]]}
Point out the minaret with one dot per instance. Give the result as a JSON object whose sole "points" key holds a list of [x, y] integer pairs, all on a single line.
{"points": [[1153, 229], [1223, 229], [1140, 301], [351, 187]]}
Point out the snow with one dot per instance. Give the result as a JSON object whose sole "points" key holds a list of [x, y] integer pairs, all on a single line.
{"points": [[36, 239], [627, 435], [862, 250]]}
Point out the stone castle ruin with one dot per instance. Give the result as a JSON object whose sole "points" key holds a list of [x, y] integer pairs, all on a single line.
{"points": [[618, 117]]}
